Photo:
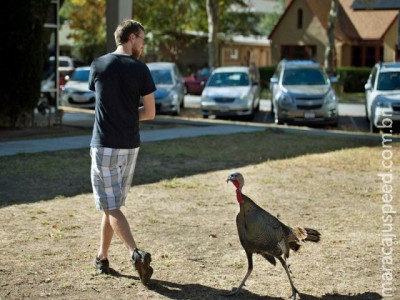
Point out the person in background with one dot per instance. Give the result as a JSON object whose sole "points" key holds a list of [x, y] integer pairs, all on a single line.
{"points": [[119, 80]]}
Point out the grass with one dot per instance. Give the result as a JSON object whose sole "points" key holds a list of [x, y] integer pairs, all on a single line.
{"points": [[63, 174], [183, 212]]}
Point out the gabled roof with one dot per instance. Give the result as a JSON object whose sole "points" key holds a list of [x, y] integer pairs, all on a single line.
{"points": [[350, 24]]}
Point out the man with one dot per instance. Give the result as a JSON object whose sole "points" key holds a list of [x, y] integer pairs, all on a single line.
{"points": [[119, 80]]}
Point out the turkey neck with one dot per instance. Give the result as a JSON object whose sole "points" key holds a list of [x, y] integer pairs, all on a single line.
{"points": [[239, 196]]}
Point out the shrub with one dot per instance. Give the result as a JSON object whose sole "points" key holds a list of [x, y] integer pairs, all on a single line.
{"points": [[353, 79]]}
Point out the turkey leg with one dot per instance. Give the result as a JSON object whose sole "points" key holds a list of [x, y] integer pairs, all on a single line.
{"points": [[249, 270], [294, 290]]}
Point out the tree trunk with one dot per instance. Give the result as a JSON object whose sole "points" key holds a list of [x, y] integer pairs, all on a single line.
{"points": [[330, 53], [213, 24]]}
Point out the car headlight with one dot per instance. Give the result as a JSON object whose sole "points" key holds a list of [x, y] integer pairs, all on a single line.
{"points": [[245, 96], [330, 97], [285, 99], [173, 96], [381, 102]]}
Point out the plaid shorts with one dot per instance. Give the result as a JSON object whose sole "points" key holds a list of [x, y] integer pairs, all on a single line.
{"points": [[111, 175]]}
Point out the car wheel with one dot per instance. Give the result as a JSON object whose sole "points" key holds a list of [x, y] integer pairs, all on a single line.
{"points": [[205, 116], [178, 110]]}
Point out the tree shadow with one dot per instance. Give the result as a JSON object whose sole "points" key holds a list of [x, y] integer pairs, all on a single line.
{"points": [[173, 290], [61, 174]]}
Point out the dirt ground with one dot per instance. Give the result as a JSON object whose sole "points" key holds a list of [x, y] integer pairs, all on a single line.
{"points": [[188, 224]]}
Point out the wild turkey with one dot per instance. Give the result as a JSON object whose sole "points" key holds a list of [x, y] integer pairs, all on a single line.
{"points": [[262, 233]]}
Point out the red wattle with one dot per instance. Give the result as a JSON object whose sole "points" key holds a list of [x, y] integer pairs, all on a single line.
{"points": [[239, 196]]}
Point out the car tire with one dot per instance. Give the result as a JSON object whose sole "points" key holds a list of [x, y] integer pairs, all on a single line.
{"points": [[372, 127], [205, 116], [272, 108]]}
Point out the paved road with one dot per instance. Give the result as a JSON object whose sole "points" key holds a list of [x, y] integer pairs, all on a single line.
{"points": [[352, 116]]}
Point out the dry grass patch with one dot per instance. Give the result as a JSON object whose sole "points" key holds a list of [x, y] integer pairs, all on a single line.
{"points": [[182, 210]]}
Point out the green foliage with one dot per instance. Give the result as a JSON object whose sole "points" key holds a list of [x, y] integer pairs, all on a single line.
{"points": [[88, 23], [353, 79], [269, 20], [22, 51]]}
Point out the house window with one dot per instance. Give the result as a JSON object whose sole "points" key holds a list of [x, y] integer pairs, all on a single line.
{"points": [[298, 52], [233, 54], [300, 19], [366, 56]]}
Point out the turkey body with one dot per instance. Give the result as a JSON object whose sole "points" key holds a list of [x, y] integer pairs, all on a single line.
{"points": [[262, 233]]}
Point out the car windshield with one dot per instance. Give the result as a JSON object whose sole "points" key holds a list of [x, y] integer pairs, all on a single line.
{"points": [[229, 79], [162, 76], [389, 81], [80, 75], [304, 77], [204, 72]]}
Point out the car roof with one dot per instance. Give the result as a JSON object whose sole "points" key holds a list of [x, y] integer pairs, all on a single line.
{"points": [[160, 65], [232, 69], [300, 64], [389, 66]]}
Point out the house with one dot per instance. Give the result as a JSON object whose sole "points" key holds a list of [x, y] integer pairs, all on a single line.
{"points": [[362, 37]]}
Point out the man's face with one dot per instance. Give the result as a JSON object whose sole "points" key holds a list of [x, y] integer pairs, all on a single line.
{"points": [[138, 43]]}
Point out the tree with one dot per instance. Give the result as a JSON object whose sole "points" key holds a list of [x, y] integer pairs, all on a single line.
{"points": [[330, 52], [213, 27], [167, 23], [88, 22], [23, 56]]}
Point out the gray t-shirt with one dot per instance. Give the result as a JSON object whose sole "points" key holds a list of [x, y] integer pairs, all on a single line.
{"points": [[118, 81]]}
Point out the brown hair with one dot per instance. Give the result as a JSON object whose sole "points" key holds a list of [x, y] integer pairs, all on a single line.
{"points": [[125, 29]]}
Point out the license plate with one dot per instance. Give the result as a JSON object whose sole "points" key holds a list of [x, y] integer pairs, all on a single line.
{"points": [[309, 115]]}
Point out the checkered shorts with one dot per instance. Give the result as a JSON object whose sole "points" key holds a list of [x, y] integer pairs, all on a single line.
{"points": [[111, 175]]}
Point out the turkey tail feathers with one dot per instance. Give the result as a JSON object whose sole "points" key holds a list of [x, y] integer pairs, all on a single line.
{"points": [[303, 235], [312, 235]]}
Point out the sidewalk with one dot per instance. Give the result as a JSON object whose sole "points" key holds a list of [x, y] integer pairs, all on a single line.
{"points": [[184, 129]]}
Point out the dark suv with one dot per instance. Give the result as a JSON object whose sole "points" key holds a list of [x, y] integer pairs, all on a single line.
{"points": [[301, 92]]}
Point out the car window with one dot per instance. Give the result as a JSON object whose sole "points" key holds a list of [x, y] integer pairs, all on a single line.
{"points": [[229, 79], [373, 76], [389, 81], [162, 76], [304, 77], [204, 72], [80, 75]]}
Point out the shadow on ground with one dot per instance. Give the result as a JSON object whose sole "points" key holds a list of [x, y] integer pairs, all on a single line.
{"points": [[28, 178], [197, 291]]}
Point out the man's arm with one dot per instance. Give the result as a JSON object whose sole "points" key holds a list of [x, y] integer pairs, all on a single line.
{"points": [[148, 110]]}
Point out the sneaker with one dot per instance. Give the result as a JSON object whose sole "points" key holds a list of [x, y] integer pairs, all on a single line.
{"points": [[141, 260], [102, 266]]}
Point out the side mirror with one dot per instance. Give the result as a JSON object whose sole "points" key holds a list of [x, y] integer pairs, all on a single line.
{"points": [[273, 80], [367, 86], [333, 79]]}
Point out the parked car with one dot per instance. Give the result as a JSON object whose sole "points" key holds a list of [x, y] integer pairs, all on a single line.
{"points": [[195, 82], [76, 91], [301, 92], [382, 95], [170, 93], [66, 64], [231, 91]]}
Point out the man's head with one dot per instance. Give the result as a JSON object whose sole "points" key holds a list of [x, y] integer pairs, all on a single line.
{"points": [[132, 32]]}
